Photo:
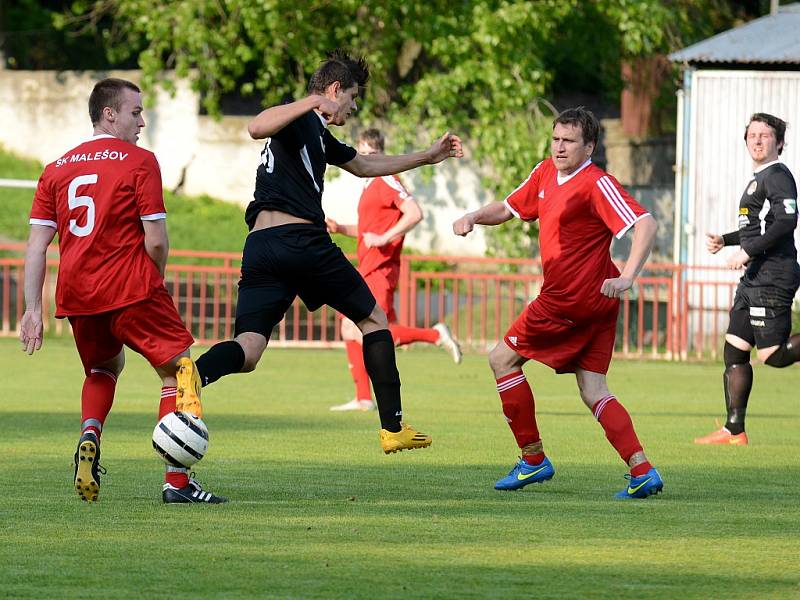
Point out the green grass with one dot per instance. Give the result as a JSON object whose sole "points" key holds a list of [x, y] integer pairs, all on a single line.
{"points": [[318, 511]]}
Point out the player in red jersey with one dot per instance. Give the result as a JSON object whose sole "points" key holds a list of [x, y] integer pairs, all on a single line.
{"points": [[571, 325], [386, 212], [104, 199]]}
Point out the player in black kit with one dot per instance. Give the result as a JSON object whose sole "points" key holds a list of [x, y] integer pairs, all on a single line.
{"points": [[289, 252], [761, 314]]}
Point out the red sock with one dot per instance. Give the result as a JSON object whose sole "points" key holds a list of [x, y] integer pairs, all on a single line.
{"points": [[96, 400], [406, 335], [358, 371], [174, 476], [520, 411], [618, 426], [168, 398]]}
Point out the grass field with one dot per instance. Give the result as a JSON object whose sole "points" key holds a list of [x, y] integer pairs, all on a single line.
{"points": [[318, 511]]}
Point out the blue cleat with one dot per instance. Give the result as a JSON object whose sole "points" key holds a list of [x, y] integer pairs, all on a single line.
{"points": [[522, 474], [646, 485]]}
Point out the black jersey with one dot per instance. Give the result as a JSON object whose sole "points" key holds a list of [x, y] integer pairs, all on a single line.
{"points": [[291, 175], [767, 218]]}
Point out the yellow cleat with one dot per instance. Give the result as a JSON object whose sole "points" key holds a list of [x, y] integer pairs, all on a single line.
{"points": [[188, 397], [87, 468], [405, 439]]}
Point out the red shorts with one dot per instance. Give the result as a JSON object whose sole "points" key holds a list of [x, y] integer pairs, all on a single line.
{"points": [[152, 327], [562, 344], [383, 290]]}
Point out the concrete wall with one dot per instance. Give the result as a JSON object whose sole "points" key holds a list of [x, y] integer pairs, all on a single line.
{"points": [[44, 113]]}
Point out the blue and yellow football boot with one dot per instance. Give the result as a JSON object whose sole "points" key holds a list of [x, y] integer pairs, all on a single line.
{"points": [[643, 486], [523, 474]]}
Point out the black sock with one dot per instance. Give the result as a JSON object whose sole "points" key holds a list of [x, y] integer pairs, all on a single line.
{"points": [[379, 359], [220, 360], [737, 381]]}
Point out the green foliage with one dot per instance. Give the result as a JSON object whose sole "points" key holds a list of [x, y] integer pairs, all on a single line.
{"points": [[318, 511], [481, 68]]}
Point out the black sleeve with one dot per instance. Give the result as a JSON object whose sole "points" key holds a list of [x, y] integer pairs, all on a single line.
{"points": [[336, 152], [780, 186], [731, 239], [779, 229], [782, 195]]}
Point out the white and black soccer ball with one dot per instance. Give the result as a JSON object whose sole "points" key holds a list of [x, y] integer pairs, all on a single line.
{"points": [[180, 439]]}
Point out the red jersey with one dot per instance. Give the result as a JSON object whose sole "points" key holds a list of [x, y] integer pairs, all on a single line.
{"points": [[96, 196], [378, 211], [578, 215]]}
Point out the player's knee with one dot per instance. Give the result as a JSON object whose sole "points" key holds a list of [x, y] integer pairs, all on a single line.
{"points": [[253, 346], [734, 356], [375, 321], [501, 360], [782, 357]]}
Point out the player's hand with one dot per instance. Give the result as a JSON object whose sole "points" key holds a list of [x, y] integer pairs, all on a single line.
{"points": [[464, 225], [738, 260], [615, 288], [328, 109], [374, 240], [333, 226], [714, 243], [447, 146], [30, 331]]}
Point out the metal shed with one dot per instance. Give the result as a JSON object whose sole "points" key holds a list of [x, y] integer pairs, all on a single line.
{"points": [[748, 69]]}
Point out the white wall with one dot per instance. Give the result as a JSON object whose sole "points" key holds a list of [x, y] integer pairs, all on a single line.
{"points": [[44, 113], [719, 166]]}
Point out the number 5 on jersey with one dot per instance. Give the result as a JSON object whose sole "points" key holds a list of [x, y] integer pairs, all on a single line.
{"points": [[77, 201]]}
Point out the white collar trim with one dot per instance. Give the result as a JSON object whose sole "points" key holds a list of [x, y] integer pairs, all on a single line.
{"points": [[562, 179], [762, 167], [100, 136]]}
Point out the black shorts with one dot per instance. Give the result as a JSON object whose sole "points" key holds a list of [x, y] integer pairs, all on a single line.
{"points": [[281, 263], [762, 309]]}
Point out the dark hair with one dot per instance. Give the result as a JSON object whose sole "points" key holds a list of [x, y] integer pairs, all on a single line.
{"points": [[373, 137], [583, 118], [341, 67], [778, 126], [107, 92]]}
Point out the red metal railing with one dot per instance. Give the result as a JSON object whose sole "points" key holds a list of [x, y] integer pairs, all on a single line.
{"points": [[673, 312]]}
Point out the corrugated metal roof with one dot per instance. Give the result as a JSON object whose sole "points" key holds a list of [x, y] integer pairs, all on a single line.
{"points": [[769, 39]]}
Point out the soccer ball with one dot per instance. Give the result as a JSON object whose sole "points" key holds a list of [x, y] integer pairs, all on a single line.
{"points": [[180, 439]]}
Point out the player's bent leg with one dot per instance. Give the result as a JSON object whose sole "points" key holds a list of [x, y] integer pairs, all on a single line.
{"points": [[618, 427], [379, 359]]}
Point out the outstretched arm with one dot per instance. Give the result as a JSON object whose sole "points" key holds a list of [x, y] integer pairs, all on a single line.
{"points": [[30, 329], [271, 120], [644, 236], [376, 165], [491, 214]]}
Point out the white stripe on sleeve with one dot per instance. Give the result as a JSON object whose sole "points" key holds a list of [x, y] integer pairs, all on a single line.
{"points": [[154, 217], [45, 222], [396, 186], [616, 200], [620, 234]]}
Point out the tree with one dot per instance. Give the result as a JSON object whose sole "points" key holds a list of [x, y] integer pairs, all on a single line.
{"points": [[483, 68]]}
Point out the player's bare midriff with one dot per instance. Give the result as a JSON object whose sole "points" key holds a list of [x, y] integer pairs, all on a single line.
{"points": [[274, 218]]}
